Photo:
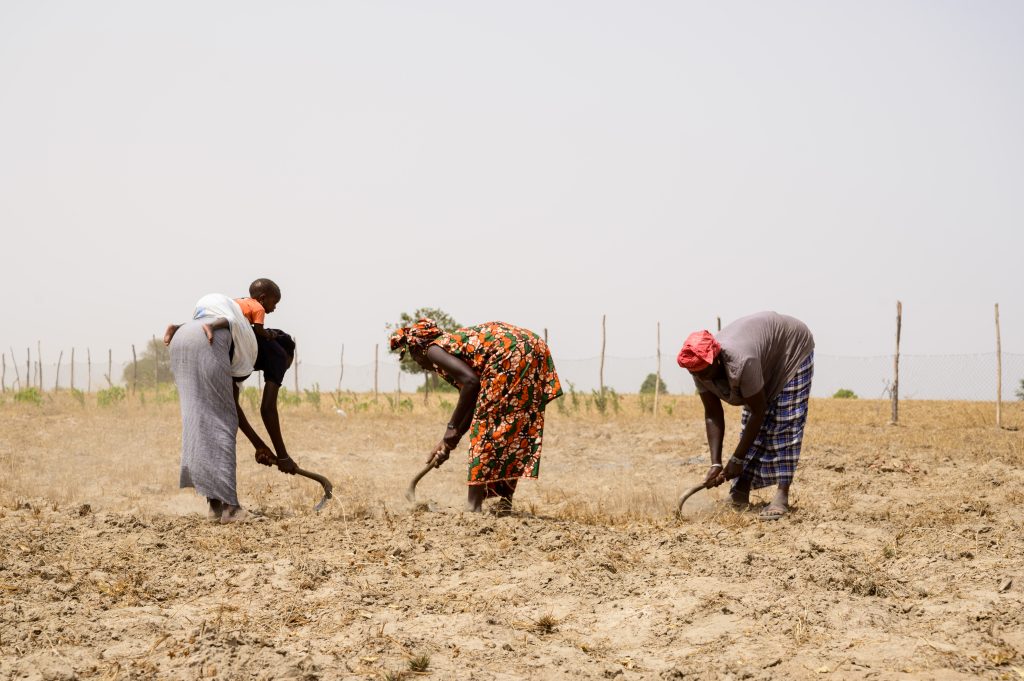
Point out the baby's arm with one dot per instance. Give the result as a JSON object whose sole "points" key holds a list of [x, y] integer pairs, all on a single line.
{"points": [[265, 334]]}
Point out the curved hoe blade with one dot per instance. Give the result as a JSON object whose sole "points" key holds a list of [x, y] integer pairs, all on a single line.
{"points": [[435, 462], [324, 482], [689, 493], [410, 494]]}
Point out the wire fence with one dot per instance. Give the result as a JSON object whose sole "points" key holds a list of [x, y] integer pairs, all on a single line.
{"points": [[924, 377]]}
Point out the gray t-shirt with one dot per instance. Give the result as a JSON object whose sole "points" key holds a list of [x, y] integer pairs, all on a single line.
{"points": [[762, 351]]}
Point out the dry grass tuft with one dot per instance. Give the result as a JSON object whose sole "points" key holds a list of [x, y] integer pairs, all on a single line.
{"points": [[546, 624], [419, 663]]}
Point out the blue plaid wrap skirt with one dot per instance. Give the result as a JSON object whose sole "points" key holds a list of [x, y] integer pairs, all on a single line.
{"points": [[772, 458]]}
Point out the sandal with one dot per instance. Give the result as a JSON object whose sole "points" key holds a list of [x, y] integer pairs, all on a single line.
{"points": [[770, 513]]}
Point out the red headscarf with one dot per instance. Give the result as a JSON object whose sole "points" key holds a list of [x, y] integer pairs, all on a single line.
{"points": [[699, 351]]}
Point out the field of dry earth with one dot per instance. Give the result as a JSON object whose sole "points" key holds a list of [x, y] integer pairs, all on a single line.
{"points": [[903, 558]]}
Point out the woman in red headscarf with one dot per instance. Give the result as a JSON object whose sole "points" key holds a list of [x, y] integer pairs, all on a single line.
{"points": [[506, 377], [763, 363]]}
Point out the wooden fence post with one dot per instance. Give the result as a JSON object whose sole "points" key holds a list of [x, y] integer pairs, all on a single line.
{"points": [[72, 368], [3, 373], [341, 372], [545, 335], [28, 367], [376, 369], [657, 375], [88, 373], [110, 368], [56, 381], [999, 373], [295, 361], [718, 323], [896, 366], [135, 370], [14, 363], [155, 349], [603, 338], [39, 362]]}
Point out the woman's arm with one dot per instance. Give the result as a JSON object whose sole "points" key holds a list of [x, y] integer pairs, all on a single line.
{"points": [[469, 390], [714, 426], [268, 410], [758, 406], [467, 421], [262, 450]]}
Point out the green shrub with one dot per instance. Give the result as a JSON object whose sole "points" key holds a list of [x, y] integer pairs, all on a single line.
{"points": [[165, 393], [284, 396], [574, 398], [647, 387], [252, 396], [30, 395], [152, 368], [313, 396], [399, 404], [437, 386], [79, 396], [606, 398], [111, 396], [845, 394]]}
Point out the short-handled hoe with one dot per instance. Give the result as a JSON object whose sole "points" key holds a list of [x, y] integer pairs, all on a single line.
{"points": [[436, 460]]}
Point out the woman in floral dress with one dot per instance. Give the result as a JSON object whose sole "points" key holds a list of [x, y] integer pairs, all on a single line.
{"points": [[505, 377]]}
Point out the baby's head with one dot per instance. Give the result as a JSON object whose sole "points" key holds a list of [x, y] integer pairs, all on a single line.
{"points": [[266, 293]]}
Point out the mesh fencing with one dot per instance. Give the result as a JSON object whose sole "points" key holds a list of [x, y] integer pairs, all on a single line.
{"points": [[925, 377]]}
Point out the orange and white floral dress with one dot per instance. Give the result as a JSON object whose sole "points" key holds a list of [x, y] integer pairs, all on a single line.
{"points": [[517, 380]]}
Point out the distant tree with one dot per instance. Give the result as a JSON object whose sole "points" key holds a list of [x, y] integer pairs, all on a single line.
{"points": [[1020, 390], [647, 387], [845, 394], [154, 366], [445, 322]]}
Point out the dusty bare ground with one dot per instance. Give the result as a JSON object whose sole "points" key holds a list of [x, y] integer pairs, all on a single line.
{"points": [[904, 557]]}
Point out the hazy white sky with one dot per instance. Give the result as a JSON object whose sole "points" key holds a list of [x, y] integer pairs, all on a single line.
{"points": [[536, 162]]}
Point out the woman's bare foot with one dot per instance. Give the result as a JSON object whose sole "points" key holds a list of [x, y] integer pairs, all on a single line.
{"points": [[779, 506], [234, 514], [475, 498], [215, 510]]}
